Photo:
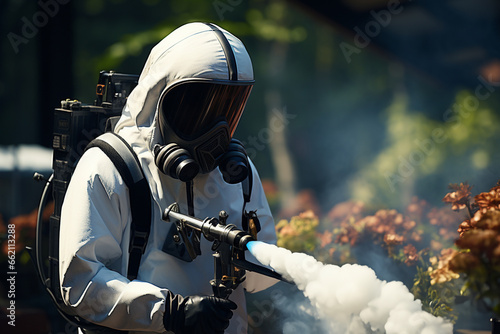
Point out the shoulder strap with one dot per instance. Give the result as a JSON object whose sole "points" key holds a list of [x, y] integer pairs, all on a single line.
{"points": [[246, 186], [127, 164]]}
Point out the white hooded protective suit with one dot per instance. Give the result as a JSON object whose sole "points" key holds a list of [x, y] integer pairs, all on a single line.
{"points": [[95, 218]]}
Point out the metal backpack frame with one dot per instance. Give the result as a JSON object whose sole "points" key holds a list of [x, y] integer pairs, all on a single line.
{"points": [[78, 127]]}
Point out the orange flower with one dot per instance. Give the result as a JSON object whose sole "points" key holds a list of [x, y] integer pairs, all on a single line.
{"points": [[325, 238], [464, 227], [447, 220], [348, 235], [342, 239], [344, 211], [479, 244], [443, 272], [488, 200], [393, 239], [416, 236], [308, 214], [490, 220], [384, 221], [416, 208], [460, 197], [411, 254], [287, 231], [331, 251], [444, 217], [409, 224]]}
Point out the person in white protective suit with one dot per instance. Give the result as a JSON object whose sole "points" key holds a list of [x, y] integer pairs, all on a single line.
{"points": [[191, 92]]}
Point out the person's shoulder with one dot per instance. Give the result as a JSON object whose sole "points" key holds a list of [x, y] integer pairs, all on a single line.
{"points": [[96, 165], [95, 160]]}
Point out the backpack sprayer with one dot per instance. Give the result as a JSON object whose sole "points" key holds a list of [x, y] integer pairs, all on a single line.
{"points": [[229, 245], [75, 125]]}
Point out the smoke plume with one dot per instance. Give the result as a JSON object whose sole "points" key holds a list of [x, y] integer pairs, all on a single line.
{"points": [[351, 299]]}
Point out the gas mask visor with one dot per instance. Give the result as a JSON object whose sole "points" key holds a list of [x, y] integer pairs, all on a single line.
{"points": [[192, 108]]}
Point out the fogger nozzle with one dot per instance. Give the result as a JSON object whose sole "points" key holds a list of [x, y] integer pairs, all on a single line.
{"points": [[211, 228]]}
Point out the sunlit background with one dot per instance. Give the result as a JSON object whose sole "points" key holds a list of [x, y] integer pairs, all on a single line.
{"points": [[375, 103]]}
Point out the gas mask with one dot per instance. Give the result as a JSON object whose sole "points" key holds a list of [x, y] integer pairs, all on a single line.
{"points": [[197, 120]]}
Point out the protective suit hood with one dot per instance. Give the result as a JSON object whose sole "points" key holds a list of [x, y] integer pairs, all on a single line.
{"points": [[192, 51], [189, 52]]}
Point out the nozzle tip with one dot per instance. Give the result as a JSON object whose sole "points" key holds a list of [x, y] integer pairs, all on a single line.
{"points": [[244, 241]]}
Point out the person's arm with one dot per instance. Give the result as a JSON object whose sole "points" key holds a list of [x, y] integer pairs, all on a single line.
{"points": [[93, 243], [94, 250]]}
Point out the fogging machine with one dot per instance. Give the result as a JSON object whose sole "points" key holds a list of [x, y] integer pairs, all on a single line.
{"points": [[229, 246]]}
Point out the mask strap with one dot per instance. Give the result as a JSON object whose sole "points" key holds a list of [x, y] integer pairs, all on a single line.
{"points": [[190, 197], [196, 235]]}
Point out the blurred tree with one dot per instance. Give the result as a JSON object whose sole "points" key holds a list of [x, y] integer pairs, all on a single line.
{"points": [[422, 154]]}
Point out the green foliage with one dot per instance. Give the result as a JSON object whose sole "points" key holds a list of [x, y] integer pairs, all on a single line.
{"points": [[267, 24], [298, 234], [437, 299]]}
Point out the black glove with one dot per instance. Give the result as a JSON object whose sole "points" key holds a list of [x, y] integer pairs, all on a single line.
{"points": [[197, 314]]}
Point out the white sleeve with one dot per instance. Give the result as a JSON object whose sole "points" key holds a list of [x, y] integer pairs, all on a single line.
{"points": [[256, 282], [94, 222]]}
